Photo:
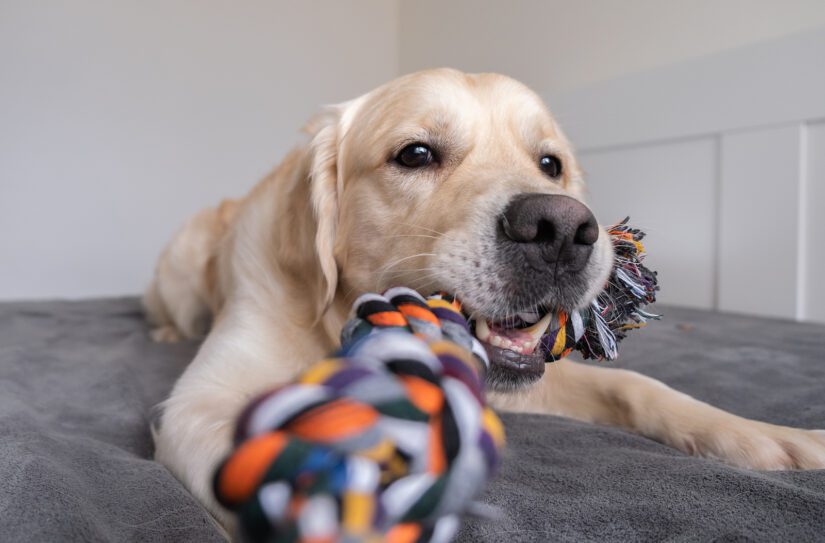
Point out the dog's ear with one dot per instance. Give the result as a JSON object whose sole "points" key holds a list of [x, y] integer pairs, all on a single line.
{"points": [[326, 130]]}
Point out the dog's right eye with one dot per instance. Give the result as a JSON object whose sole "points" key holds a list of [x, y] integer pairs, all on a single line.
{"points": [[415, 155]]}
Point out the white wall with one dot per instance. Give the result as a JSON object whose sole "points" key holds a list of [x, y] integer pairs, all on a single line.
{"points": [[119, 119], [559, 45]]}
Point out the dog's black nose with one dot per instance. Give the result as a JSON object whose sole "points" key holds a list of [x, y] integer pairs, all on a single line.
{"points": [[551, 228]]}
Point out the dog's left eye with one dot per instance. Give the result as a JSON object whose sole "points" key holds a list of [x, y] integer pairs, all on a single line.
{"points": [[550, 165], [415, 155]]}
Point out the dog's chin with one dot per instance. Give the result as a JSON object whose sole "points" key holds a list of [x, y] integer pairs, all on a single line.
{"points": [[510, 371]]}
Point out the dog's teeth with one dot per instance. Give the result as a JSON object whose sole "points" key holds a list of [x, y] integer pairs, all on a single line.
{"points": [[538, 329], [482, 330], [530, 346], [522, 345]]}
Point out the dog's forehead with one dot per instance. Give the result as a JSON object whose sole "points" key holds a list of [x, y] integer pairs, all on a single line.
{"points": [[501, 93], [443, 97]]}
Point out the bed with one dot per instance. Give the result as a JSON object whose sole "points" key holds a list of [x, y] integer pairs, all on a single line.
{"points": [[79, 382]]}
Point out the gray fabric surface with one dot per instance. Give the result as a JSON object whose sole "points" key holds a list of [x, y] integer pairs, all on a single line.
{"points": [[78, 381], [77, 385]]}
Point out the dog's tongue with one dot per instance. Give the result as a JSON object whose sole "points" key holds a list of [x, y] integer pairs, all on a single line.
{"points": [[519, 340]]}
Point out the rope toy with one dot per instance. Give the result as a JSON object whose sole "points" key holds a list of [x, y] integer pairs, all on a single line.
{"points": [[388, 441], [596, 330]]}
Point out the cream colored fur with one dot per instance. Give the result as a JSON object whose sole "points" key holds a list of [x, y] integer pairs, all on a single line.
{"points": [[277, 270]]}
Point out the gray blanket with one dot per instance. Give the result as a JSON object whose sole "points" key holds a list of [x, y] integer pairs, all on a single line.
{"points": [[78, 382]]}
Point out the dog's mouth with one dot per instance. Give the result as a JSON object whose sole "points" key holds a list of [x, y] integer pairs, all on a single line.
{"points": [[515, 348]]}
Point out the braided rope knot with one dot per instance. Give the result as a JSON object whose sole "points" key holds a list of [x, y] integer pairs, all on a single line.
{"points": [[388, 441], [596, 330]]}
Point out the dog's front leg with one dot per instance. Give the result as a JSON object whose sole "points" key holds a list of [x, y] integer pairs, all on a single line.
{"points": [[251, 350], [646, 406]]}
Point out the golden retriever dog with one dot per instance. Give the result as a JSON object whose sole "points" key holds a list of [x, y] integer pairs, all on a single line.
{"points": [[438, 180]]}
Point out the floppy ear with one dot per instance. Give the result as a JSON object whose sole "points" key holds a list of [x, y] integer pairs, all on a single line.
{"points": [[324, 184]]}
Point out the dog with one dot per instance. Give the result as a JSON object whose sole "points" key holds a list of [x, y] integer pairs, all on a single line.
{"points": [[438, 180]]}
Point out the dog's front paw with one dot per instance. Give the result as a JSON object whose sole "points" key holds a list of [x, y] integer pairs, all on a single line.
{"points": [[758, 445]]}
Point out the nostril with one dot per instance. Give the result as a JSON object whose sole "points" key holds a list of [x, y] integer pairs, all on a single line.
{"points": [[587, 233], [545, 232], [519, 230]]}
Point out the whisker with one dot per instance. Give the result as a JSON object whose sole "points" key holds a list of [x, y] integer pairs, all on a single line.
{"points": [[400, 275], [389, 236], [392, 273], [426, 276], [422, 286], [384, 270], [400, 260], [422, 228]]}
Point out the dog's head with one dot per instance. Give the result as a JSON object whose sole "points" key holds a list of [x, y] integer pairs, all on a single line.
{"points": [[442, 180]]}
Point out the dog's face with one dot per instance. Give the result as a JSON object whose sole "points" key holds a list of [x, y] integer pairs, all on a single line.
{"points": [[464, 183]]}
